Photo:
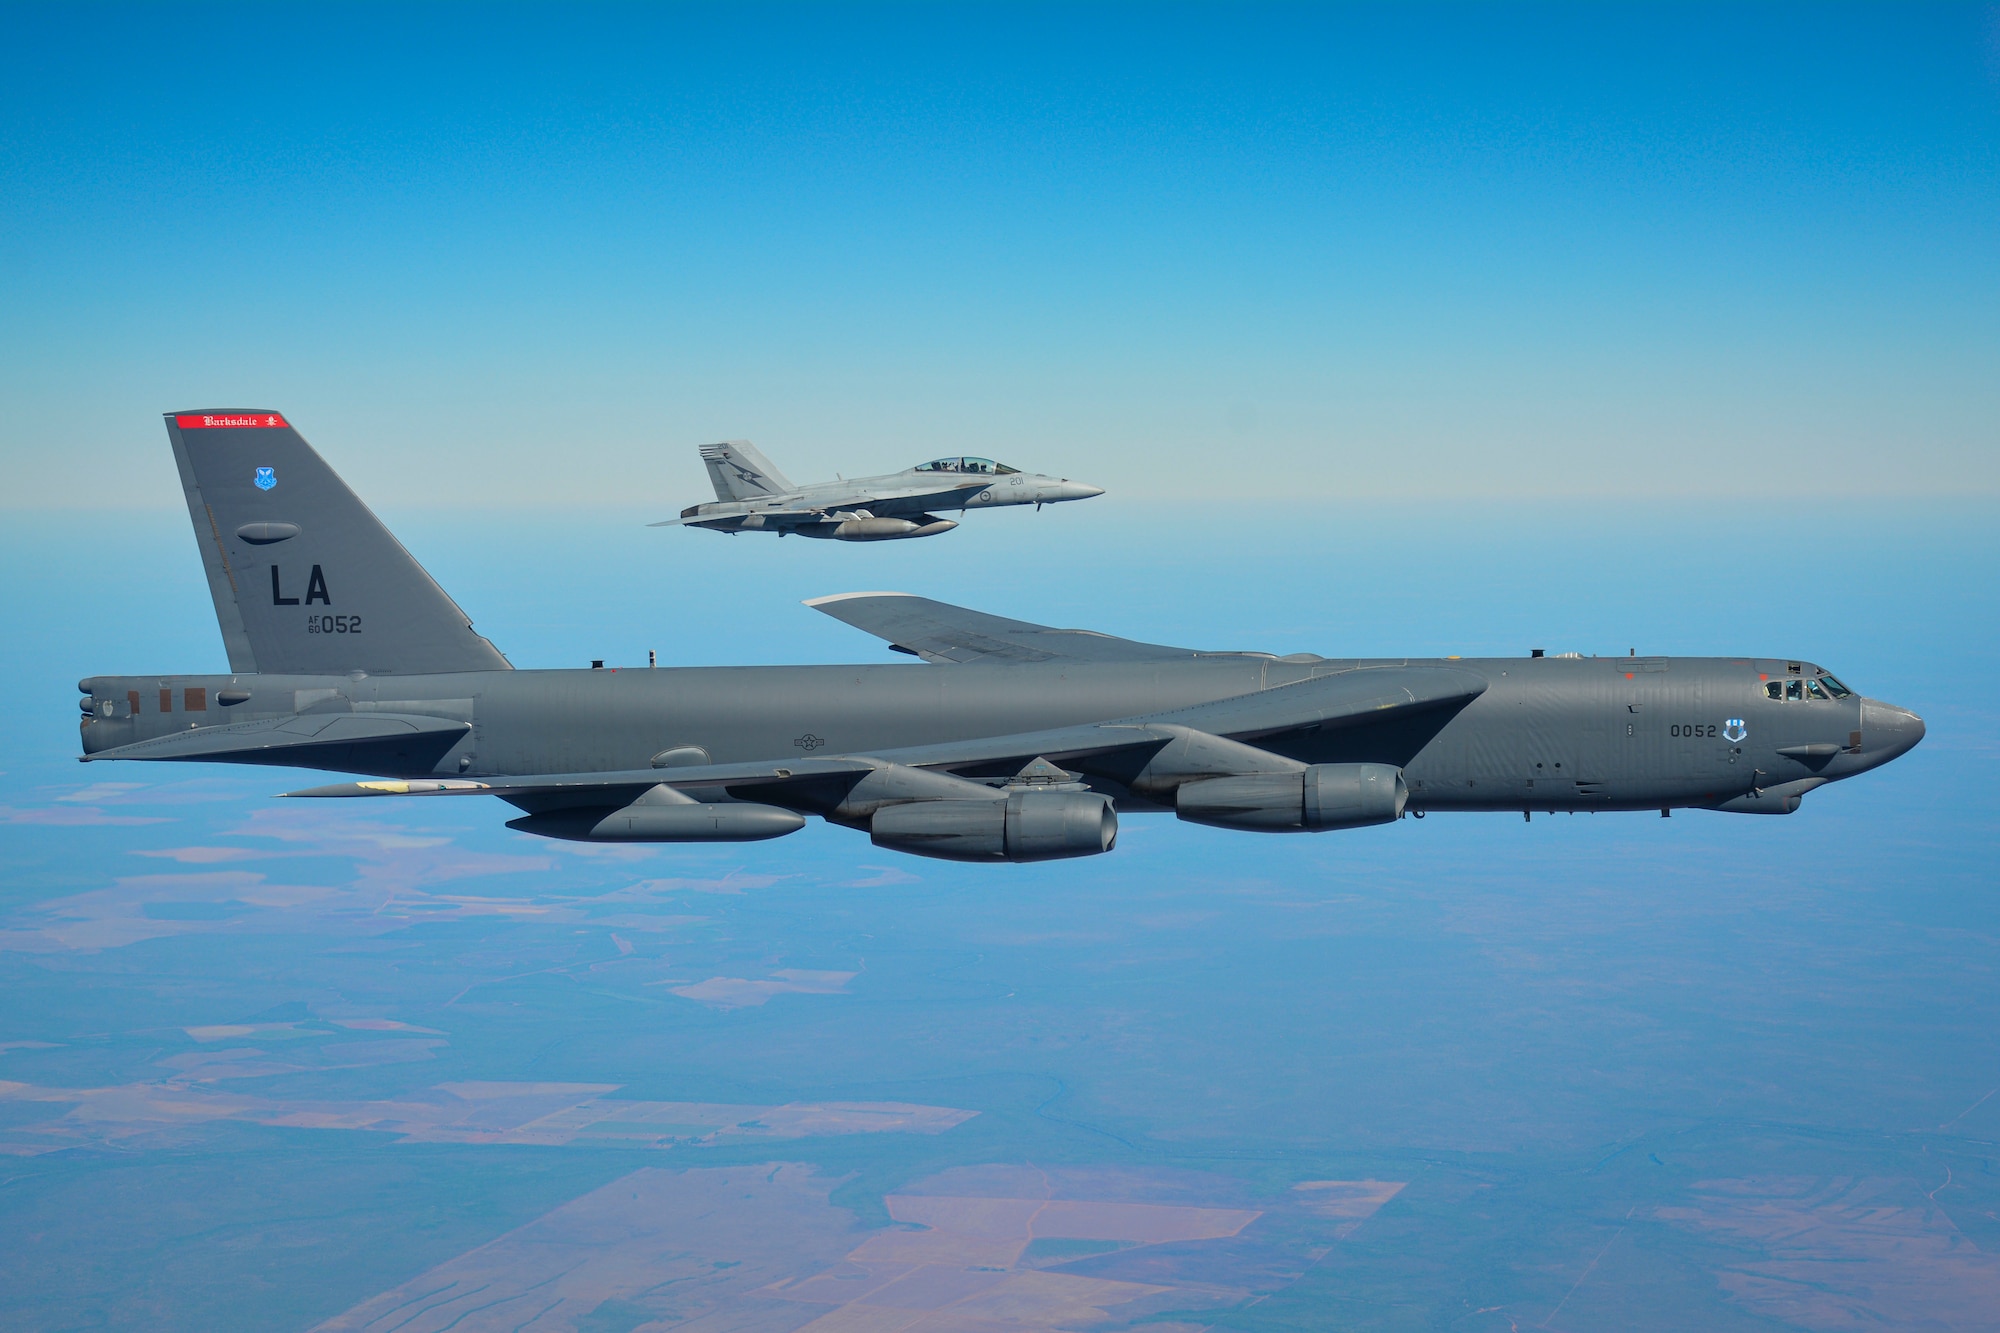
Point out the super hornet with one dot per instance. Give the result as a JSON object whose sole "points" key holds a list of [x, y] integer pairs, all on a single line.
{"points": [[1017, 742], [753, 496]]}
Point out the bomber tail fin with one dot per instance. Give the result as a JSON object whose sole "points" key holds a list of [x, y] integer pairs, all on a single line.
{"points": [[740, 472], [305, 578]]}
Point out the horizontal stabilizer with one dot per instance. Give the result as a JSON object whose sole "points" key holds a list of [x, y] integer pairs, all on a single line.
{"points": [[941, 632], [369, 742]]}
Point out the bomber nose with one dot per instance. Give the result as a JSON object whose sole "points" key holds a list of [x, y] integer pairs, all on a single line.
{"points": [[1888, 731]]}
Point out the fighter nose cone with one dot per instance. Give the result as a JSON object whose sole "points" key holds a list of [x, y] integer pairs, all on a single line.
{"points": [[1076, 490], [1888, 731]]}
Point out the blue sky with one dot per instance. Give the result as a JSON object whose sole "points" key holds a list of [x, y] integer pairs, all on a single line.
{"points": [[514, 256]]}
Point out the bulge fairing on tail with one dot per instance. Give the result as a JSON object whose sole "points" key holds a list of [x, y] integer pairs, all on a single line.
{"points": [[751, 495], [1005, 740]]}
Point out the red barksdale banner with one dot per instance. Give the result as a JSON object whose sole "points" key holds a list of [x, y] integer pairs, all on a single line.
{"points": [[215, 420]]}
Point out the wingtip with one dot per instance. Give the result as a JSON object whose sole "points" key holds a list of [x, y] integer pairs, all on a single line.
{"points": [[850, 596]]}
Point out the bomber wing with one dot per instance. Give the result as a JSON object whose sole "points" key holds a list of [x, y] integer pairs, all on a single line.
{"points": [[941, 632], [1355, 698]]}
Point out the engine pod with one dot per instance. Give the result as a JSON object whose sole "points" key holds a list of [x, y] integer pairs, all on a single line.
{"points": [[1022, 826], [1324, 796]]}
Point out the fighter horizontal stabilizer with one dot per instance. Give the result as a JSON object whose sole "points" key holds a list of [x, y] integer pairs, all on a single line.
{"points": [[369, 742], [940, 632]]}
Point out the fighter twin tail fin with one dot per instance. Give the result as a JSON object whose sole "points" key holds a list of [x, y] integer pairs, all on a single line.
{"points": [[306, 580], [741, 473]]}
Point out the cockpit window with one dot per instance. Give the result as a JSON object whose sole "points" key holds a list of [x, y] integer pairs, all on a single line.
{"points": [[1825, 689], [979, 466]]}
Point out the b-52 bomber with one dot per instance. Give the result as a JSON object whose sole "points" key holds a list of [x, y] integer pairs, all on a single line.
{"points": [[753, 496], [1009, 742]]}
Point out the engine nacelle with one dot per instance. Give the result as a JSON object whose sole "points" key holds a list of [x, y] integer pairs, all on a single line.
{"points": [[1324, 796], [1023, 826], [663, 815]]}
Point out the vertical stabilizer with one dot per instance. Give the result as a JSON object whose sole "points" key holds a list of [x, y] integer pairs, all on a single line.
{"points": [[740, 472], [305, 578]]}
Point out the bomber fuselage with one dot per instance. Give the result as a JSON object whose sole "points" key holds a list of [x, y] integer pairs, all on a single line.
{"points": [[1548, 734]]}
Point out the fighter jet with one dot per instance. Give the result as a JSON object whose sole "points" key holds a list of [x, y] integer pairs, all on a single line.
{"points": [[753, 496], [1006, 741]]}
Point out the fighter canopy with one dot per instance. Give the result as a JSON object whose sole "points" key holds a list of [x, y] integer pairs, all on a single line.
{"points": [[975, 466]]}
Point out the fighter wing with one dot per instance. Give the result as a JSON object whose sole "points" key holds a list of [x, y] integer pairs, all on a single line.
{"points": [[940, 632], [781, 515], [1361, 697]]}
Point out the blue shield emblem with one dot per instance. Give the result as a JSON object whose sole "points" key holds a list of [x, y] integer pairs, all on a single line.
{"points": [[266, 478], [1734, 730]]}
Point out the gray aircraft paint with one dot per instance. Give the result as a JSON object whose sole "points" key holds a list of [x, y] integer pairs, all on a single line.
{"points": [[267, 567], [1517, 734], [751, 495]]}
